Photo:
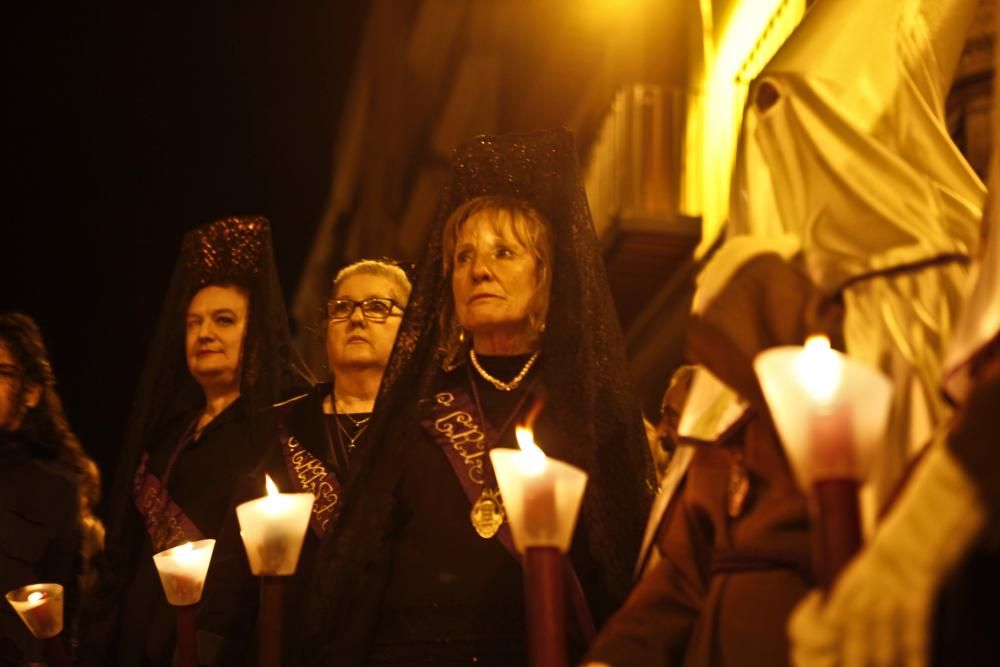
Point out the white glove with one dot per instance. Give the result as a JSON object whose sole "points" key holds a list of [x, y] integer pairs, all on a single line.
{"points": [[879, 610]]}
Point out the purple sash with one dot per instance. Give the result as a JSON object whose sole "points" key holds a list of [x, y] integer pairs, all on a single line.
{"points": [[166, 523], [465, 441], [310, 475]]}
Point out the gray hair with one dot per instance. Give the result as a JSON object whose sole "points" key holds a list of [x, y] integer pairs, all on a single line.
{"points": [[376, 267]]}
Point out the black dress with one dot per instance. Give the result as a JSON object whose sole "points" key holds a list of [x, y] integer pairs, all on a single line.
{"points": [[210, 476], [232, 604], [39, 539], [451, 596]]}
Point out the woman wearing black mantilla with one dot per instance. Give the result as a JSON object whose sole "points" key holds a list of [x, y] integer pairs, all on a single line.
{"points": [[511, 302], [199, 427]]}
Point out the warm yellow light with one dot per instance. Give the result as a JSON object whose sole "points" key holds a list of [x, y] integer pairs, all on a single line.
{"points": [[272, 490], [819, 369], [533, 461], [36, 596], [753, 32], [594, 11]]}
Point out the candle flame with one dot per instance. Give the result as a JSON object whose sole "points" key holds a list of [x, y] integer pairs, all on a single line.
{"points": [[35, 596], [819, 369], [533, 460], [183, 552], [272, 490]]}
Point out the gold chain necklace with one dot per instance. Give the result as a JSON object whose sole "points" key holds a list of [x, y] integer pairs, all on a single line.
{"points": [[351, 441], [500, 384], [357, 422]]}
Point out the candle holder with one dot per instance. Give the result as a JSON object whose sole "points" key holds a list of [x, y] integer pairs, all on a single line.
{"points": [[273, 529], [542, 499], [40, 607], [182, 571], [830, 412]]}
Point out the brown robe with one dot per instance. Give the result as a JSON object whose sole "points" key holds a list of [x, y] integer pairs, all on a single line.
{"points": [[734, 542]]}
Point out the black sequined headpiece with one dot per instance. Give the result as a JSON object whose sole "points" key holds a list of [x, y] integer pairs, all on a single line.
{"points": [[539, 168], [227, 250]]}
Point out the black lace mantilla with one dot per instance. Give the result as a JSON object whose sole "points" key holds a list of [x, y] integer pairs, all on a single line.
{"points": [[583, 369]]}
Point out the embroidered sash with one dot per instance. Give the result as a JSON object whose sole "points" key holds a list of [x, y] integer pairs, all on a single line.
{"points": [[465, 441], [166, 523], [310, 475]]}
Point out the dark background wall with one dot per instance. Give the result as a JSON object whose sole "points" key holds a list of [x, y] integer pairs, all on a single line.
{"points": [[127, 124]]}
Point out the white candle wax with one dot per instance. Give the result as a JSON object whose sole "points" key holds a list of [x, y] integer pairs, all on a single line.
{"points": [[183, 570], [273, 528], [829, 410], [40, 607], [541, 495]]}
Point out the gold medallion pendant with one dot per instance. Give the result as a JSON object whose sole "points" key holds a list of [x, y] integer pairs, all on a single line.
{"points": [[487, 513]]}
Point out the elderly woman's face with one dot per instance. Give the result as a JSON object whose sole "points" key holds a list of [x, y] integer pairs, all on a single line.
{"points": [[358, 342], [494, 280]]}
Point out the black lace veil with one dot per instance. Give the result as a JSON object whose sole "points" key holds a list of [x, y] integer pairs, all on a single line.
{"points": [[233, 251], [584, 370]]}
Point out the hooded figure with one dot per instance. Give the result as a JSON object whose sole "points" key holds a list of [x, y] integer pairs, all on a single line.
{"points": [[845, 148], [511, 302], [882, 609], [220, 357]]}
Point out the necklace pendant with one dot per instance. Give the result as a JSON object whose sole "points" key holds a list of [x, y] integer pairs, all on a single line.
{"points": [[487, 513]]}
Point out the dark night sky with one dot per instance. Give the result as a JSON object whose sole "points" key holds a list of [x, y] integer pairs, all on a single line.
{"points": [[128, 124]]}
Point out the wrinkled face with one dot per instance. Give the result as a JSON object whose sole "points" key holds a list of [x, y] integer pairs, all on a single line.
{"points": [[10, 390], [356, 342], [494, 280], [216, 323]]}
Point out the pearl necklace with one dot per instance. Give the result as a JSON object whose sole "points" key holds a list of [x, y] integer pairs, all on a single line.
{"points": [[500, 384]]}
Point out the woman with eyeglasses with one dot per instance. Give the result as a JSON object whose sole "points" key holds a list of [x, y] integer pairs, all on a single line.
{"points": [[328, 423], [319, 432], [363, 316]]}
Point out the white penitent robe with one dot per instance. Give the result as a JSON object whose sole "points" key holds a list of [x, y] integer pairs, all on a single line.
{"points": [[844, 146]]}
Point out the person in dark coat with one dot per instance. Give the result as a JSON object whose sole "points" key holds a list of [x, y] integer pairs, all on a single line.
{"points": [[48, 486]]}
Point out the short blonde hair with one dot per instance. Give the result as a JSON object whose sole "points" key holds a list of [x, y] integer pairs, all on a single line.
{"points": [[376, 267], [512, 218]]}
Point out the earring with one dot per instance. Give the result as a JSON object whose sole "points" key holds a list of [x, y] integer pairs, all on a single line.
{"points": [[461, 334]]}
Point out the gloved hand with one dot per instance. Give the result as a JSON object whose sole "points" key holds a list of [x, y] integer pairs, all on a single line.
{"points": [[879, 609]]}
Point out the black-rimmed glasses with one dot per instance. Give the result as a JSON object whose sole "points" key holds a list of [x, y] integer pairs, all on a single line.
{"points": [[375, 309]]}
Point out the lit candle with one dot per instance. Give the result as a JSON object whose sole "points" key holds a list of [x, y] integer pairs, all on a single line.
{"points": [[183, 570], [40, 606], [540, 517], [541, 495], [273, 528], [830, 412], [542, 498]]}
